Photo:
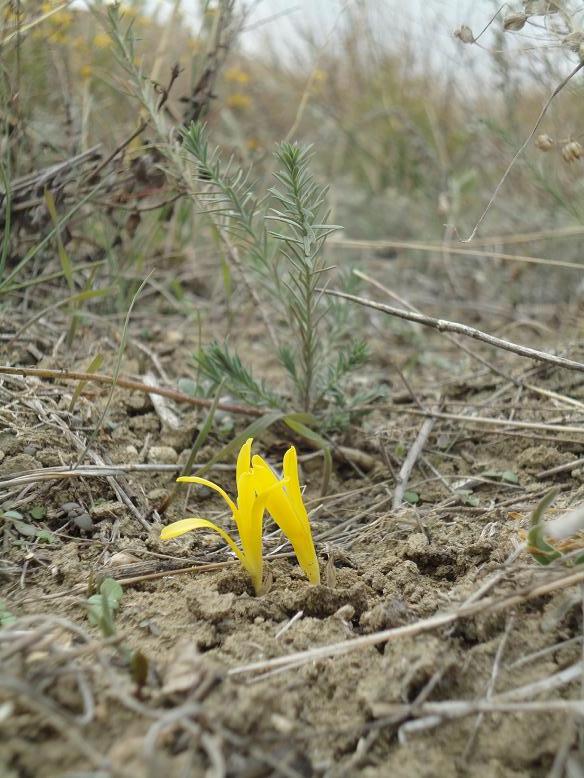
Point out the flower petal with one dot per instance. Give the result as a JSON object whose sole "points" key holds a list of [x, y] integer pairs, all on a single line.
{"points": [[249, 518], [246, 492], [192, 479], [286, 508], [290, 467], [243, 459], [278, 505], [178, 528]]}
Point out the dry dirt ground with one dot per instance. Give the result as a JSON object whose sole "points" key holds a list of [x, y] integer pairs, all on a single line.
{"points": [[492, 693]]}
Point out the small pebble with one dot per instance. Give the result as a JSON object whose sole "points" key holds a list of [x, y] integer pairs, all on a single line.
{"points": [[83, 521], [138, 402], [281, 724], [162, 455], [122, 558], [30, 450], [174, 337], [71, 507]]}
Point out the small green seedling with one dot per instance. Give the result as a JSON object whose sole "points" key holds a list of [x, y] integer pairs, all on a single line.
{"points": [[537, 545], [26, 530], [101, 607]]}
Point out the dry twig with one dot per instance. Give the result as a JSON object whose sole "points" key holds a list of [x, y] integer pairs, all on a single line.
{"points": [[443, 325]]}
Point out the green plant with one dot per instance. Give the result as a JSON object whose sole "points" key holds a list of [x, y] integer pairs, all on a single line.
{"points": [[290, 269], [302, 212], [102, 607], [537, 538]]}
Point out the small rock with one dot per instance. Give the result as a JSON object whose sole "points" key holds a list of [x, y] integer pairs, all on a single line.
{"points": [[122, 558], [2, 455], [71, 507], [281, 724], [83, 521], [174, 337], [30, 450], [131, 451], [138, 402], [158, 455]]}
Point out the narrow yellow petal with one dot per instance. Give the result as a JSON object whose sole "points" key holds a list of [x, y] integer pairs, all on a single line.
{"points": [[287, 509], [290, 467], [192, 479], [178, 528], [243, 459], [250, 519], [278, 504]]}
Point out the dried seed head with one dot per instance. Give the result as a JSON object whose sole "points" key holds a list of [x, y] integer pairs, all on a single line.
{"points": [[573, 41], [464, 34], [544, 142], [514, 22], [540, 7], [572, 151]]}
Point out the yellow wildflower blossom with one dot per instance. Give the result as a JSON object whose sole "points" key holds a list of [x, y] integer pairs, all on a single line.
{"points": [[258, 489], [237, 76], [286, 507], [101, 40], [248, 514], [238, 101]]}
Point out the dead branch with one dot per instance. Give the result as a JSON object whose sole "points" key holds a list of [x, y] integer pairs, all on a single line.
{"points": [[129, 383], [443, 325]]}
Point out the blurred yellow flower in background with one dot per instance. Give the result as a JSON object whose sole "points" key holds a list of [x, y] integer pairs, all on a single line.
{"points": [[238, 101], [101, 40], [237, 76]]}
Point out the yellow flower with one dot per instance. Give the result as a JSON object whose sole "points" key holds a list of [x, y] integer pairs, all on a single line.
{"points": [[258, 489], [85, 71], [248, 514], [286, 507], [235, 75], [238, 101], [101, 40]]}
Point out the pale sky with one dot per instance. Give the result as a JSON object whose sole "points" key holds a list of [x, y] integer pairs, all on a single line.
{"points": [[439, 17]]}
